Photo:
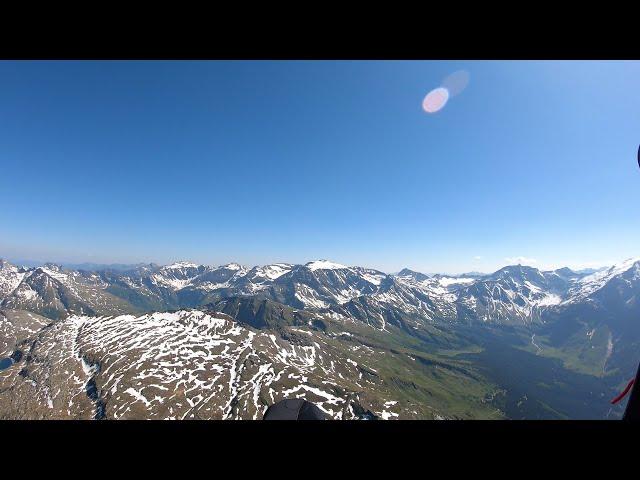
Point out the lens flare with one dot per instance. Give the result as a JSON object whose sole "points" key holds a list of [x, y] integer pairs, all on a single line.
{"points": [[456, 82], [435, 100], [451, 86]]}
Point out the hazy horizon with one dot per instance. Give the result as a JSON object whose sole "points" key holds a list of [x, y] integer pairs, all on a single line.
{"points": [[508, 262]]}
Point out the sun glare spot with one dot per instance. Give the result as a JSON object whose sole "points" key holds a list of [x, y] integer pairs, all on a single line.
{"points": [[435, 100], [451, 86]]}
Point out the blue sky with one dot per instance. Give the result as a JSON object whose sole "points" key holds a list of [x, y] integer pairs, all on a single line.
{"points": [[259, 162]]}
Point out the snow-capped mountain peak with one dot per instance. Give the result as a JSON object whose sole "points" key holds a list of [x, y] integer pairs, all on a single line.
{"points": [[595, 281], [10, 278], [324, 265], [180, 265], [512, 294], [411, 274], [233, 266], [274, 271], [54, 271]]}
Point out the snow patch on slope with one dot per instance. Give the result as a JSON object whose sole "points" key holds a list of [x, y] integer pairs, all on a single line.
{"points": [[324, 265], [180, 265], [274, 271], [589, 284], [447, 281]]}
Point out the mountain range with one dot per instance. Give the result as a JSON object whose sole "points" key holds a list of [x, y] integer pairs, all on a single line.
{"points": [[196, 341]]}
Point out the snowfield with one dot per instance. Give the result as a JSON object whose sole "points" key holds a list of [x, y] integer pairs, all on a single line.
{"points": [[180, 365]]}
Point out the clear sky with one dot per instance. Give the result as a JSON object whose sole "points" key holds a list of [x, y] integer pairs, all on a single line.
{"points": [[259, 162]]}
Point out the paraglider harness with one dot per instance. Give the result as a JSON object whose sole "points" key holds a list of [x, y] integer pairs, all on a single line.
{"points": [[294, 409], [632, 412]]}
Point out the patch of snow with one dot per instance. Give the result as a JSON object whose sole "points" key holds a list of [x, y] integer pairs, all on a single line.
{"points": [[173, 283], [58, 275], [232, 266], [274, 271], [549, 299], [324, 265], [447, 281], [387, 415], [180, 265], [373, 279]]}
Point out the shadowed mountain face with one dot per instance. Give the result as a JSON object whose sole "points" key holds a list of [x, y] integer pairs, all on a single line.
{"points": [[262, 313], [585, 324]]}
